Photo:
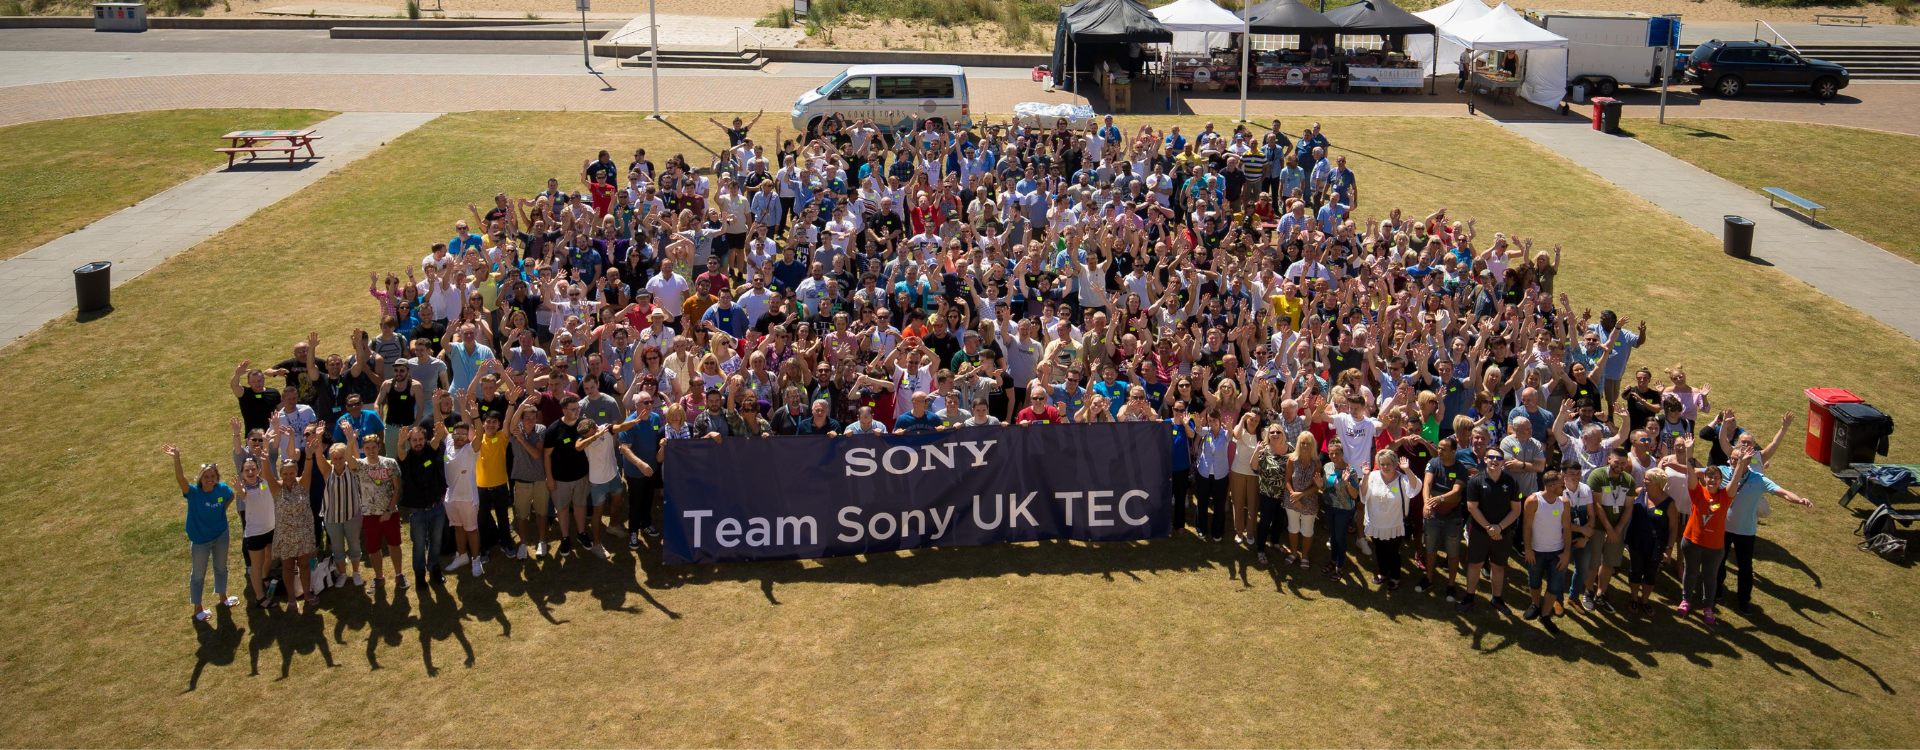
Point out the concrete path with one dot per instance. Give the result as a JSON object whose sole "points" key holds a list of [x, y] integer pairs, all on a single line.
{"points": [[1840, 265], [140, 237]]}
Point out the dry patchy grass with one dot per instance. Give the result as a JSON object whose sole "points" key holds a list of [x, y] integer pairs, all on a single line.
{"points": [[1169, 643]]}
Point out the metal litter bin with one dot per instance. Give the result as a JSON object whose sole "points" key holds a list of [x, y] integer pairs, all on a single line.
{"points": [[1737, 239], [119, 16], [93, 286]]}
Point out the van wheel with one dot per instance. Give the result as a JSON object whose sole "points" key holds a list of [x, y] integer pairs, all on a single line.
{"points": [[1729, 85], [1606, 87], [813, 128], [1825, 88]]}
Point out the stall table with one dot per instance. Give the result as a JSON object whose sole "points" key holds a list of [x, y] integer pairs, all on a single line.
{"points": [[1500, 87]]}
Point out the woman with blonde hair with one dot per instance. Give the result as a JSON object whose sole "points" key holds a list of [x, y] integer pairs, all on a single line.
{"points": [[1270, 464], [1384, 500], [1650, 538], [1302, 503], [1242, 484]]}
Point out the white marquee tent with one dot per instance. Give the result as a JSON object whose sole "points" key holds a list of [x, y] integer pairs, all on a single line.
{"points": [[1198, 25], [1544, 71], [1448, 59]]}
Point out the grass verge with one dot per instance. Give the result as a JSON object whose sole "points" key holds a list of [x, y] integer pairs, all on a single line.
{"points": [[1853, 171], [1165, 643], [57, 176]]}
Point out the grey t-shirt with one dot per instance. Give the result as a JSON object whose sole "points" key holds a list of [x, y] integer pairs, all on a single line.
{"points": [[527, 465], [603, 409], [426, 370], [1529, 451]]}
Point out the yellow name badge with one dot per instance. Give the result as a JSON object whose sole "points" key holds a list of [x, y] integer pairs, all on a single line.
{"points": [[1556, 512], [1659, 512]]}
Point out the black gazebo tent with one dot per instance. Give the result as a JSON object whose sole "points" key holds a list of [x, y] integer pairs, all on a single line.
{"points": [[1377, 18], [1289, 17], [1101, 28]]}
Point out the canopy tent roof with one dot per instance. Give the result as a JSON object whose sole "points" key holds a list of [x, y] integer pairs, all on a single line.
{"points": [[1379, 17], [1290, 17], [1454, 12], [1095, 21], [1501, 28], [1197, 15]]}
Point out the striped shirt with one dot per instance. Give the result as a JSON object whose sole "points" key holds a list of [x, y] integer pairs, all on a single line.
{"points": [[342, 502]]}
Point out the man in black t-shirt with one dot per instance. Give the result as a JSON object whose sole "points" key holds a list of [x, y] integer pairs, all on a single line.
{"points": [[566, 467], [1493, 509], [423, 492], [257, 401]]}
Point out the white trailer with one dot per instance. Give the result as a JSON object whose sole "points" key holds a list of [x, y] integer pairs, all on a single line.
{"points": [[1605, 49]]}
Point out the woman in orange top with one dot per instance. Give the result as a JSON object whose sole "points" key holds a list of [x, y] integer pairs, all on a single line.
{"points": [[1703, 545]]}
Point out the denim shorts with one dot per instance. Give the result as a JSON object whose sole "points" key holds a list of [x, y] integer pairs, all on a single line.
{"points": [[603, 490], [1446, 534]]}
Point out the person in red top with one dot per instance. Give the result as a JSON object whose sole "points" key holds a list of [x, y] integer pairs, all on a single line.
{"points": [[602, 196], [1703, 544], [1046, 414]]}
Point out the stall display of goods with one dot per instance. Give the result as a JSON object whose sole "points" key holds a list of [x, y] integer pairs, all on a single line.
{"points": [[1293, 75], [1386, 77]]}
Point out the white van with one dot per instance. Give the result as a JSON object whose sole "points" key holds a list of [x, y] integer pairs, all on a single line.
{"points": [[890, 96]]}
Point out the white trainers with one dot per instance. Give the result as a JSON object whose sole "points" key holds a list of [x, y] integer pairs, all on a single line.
{"points": [[476, 569], [458, 560], [357, 580], [601, 552], [539, 550], [1366, 547]]}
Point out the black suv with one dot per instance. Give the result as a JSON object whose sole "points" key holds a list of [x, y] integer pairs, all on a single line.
{"points": [[1728, 68]]}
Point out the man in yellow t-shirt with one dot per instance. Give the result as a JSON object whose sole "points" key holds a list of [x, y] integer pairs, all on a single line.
{"points": [[1287, 306], [496, 496]]}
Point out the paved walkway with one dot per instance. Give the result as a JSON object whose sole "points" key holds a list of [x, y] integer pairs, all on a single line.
{"points": [[1840, 265], [40, 280]]}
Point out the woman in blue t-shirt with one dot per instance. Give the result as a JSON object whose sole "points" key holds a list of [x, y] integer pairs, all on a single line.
{"points": [[207, 501]]}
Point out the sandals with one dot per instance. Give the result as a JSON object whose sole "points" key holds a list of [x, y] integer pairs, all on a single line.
{"points": [[1262, 558], [202, 615]]}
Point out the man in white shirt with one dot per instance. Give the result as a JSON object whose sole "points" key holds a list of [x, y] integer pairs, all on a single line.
{"points": [[812, 290], [1356, 431], [755, 300], [668, 289], [463, 498]]}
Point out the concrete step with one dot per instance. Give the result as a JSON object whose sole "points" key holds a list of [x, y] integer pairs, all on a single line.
{"points": [[748, 61]]}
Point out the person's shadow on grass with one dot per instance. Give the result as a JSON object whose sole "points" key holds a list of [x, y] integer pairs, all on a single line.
{"points": [[293, 631], [219, 643], [387, 620], [439, 620]]}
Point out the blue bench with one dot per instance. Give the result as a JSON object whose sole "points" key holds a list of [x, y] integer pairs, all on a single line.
{"points": [[1774, 193]]}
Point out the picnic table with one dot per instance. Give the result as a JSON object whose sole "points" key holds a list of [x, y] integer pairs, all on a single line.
{"points": [[256, 142]]}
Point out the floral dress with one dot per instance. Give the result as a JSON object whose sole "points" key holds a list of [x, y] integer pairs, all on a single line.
{"points": [[292, 523], [1301, 500]]}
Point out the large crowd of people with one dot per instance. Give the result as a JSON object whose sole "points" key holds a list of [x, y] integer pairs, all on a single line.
{"points": [[1401, 388]]}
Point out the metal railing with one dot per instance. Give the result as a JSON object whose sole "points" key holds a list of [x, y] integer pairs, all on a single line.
{"points": [[1777, 36], [737, 47]]}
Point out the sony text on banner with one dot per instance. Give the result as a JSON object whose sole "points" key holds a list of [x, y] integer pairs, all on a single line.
{"points": [[788, 498]]}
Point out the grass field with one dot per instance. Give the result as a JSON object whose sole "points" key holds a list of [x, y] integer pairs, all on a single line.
{"points": [[1163, 643], [1860, 174], [60, 175]]}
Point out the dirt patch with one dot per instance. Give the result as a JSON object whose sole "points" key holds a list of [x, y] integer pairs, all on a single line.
{"points": [[753, 9], [1726, 10], [855, 32]]}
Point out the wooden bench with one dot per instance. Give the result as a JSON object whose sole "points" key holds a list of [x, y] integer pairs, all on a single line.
{"points": [[1774, 193], [1819, 18], [290, 151], [255, 142]]}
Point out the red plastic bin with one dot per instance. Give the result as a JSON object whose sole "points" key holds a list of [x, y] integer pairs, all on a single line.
{"points": [[1820, 420]]}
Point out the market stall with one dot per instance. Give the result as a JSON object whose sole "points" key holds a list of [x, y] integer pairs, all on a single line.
{"points": [[1525, 59], [1105, 37], [1446, 59], [1389, 68], [1310, 66]]}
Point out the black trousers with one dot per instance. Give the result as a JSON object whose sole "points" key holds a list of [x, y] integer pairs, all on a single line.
{"points": [[496, 527], [1273, 522], [1739, 552], [1211, 517], [640, 502], [1386, 552], [1181, 482]]}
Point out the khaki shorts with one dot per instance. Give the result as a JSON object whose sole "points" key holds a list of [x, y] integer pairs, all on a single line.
{"points": [[569, 494], [1612, 554], [529, 498]]}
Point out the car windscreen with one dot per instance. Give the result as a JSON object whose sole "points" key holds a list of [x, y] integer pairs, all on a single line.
{"points": [[828, 86]]}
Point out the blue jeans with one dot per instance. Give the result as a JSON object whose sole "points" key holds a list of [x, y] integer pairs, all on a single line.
{"points": [[1337, 522], [1545, 571], [425, 529], [214, 552]]}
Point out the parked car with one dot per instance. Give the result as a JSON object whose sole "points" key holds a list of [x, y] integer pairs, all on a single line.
{"points": [[1728, 68], [892, 96]]}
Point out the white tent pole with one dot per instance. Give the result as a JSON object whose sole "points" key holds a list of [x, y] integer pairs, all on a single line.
{"points": [[1246, 51]]}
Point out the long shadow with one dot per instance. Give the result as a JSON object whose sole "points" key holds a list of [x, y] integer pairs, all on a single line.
{"points": [[271, 164], [219, 644], [389, 614], [294, 632], [440, 619], [689, 136]]}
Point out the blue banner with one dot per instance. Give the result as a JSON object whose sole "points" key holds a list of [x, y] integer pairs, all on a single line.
{"points": [[789, 498]]}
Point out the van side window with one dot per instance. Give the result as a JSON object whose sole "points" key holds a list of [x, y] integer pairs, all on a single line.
{"points": [[915, 87], [853, 89]]}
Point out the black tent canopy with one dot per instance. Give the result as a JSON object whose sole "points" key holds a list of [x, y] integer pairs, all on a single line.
{"points": [[1290, 17], [1377, 18], [1104, 27]]}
